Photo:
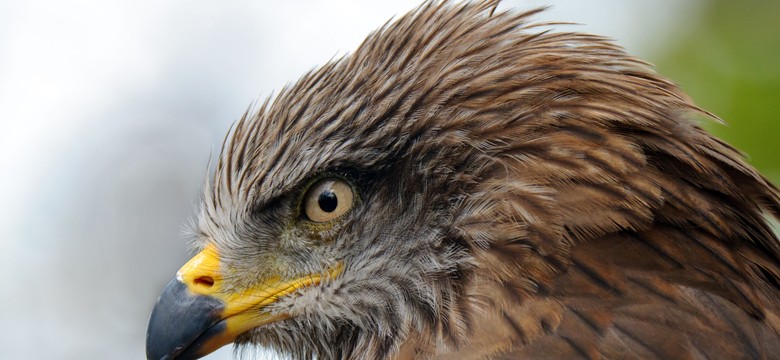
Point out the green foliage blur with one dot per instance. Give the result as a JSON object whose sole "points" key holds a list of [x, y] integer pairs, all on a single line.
{"points": [[728, 61]]}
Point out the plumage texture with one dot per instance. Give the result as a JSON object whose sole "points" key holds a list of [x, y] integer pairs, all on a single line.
{"points": [[522, 193]]}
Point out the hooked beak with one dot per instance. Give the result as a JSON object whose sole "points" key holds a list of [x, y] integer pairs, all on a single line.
{"points": [[196, 315]]}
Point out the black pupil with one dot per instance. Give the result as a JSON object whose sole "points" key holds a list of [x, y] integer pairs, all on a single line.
{"points": [[328, 201]]}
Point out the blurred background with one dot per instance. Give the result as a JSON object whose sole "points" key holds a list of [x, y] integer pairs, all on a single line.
{"points": [[109, 111]]}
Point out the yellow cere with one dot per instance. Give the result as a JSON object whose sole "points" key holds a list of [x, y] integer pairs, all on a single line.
{"points": [[202, 276]]}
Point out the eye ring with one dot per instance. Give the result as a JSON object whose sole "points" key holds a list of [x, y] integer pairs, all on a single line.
{"points": [[327, 200]]}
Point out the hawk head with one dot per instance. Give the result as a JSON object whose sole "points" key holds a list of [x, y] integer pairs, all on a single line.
{"points": [[467, 185]]}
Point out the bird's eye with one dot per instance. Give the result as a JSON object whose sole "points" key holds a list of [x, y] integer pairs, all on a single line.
{"points": [[327, 200]]}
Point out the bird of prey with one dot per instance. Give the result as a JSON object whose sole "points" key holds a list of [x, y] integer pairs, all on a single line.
{"points": [[468, 184]]}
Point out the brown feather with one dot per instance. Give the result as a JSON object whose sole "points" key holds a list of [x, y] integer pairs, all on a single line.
{"points": [[599, 220]]}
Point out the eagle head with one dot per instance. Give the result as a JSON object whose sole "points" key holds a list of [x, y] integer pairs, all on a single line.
{"points": [[468, 185]]}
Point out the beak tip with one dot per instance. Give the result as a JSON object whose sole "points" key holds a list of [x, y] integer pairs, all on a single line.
{"points": [[178, 319]]}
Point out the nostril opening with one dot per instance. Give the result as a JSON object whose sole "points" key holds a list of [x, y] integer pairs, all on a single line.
{"points": [[205, 281]]}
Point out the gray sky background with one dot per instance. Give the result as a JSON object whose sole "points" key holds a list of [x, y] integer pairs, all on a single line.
{"points": [[109, 111]]}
